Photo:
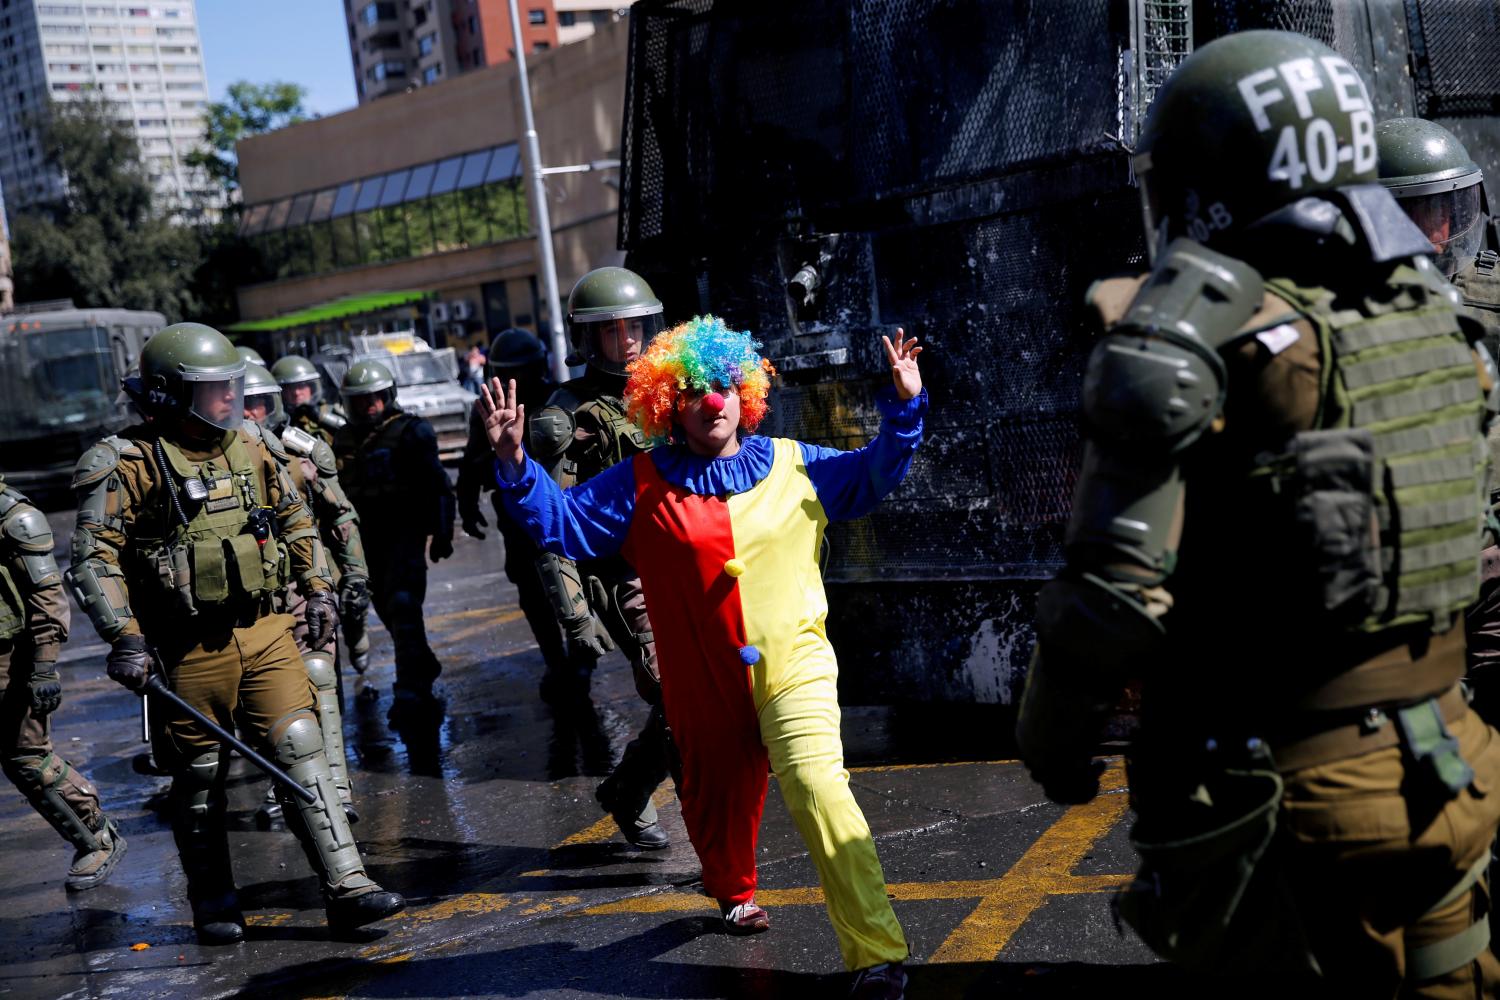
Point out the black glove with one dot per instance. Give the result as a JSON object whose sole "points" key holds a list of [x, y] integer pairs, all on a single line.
{"points": [[1072, 786], [354, 597], [586, 637], [473, 521], [46, 689], [441, 547], [322, 616], [129, 661]]}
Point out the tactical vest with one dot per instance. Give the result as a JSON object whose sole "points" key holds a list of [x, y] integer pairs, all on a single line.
{"points": [[368, 467], [12, 605], [204, 554], [617, 440], [1399, 382]]}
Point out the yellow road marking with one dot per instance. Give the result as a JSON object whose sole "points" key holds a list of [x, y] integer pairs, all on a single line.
{"points": [[459, 616], [479, 628], [1005, 903], [1043, 870], [603, 830]]}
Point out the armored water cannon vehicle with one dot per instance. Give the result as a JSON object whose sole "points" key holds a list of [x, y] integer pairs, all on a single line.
{"points": [[426, 382], [60, 372]]}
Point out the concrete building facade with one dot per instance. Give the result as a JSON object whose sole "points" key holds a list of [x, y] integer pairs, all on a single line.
{"points": [[144, 55], [425, 191], [396, 45]]}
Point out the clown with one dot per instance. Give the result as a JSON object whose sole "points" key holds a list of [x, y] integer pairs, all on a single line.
{"points": [[725, 530]]}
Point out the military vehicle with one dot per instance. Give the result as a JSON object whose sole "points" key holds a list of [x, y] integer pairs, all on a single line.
{"points": [[426, 382], [821, 172], [60, 371]]}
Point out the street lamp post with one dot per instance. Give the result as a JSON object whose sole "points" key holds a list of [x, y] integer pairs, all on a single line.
{"points": [[534, 168]]}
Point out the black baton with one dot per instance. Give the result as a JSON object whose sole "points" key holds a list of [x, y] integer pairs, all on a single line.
{"points": [[155, 686]]}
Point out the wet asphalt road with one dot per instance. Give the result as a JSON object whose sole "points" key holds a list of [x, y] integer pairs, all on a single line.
{"points": [[517, 884]]}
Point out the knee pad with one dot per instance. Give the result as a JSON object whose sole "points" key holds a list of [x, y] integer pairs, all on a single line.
{"points": [[301, 740], [197, 786], [321, 669]]}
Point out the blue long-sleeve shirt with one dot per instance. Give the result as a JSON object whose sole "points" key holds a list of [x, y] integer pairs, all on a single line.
{"points": [[591, 520]]}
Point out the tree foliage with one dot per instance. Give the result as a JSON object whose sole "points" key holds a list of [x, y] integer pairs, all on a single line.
{"points": [[103, 242], [248, 109]]}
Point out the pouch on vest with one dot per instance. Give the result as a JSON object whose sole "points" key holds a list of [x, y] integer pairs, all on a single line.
{"points": [[210, 572], [1209, 894], [249, 567], [1331, 489]]}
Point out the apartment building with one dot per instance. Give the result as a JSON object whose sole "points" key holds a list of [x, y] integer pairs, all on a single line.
{"points": [[144, 55]]}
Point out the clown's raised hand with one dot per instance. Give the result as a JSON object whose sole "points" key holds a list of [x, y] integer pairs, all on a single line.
{"points": [[504, 421], [902, 355]]}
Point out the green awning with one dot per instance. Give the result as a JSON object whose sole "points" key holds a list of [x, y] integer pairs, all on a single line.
{"points": [[353, 305]]}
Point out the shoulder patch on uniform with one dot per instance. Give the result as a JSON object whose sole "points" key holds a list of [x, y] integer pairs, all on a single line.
{"points": [[1109, 298], [551, 431], [98, 462], [28, 527]]}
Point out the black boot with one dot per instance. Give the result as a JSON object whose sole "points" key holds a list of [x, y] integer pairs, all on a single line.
{"points": [[362, 905], [203, 846]]}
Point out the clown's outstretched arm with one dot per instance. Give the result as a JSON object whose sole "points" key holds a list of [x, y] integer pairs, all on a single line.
{"points": [[851, 483], [587, 521]]}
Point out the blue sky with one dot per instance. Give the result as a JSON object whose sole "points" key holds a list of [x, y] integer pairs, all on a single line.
{"points": [[300, 41]]}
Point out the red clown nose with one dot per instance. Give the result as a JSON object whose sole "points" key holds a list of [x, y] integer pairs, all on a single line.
{"points": [[714, 401]]}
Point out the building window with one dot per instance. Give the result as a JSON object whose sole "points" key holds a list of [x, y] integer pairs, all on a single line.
{"points": [[536, 16], [425, 43], [540, 46], [431, 74], [389, 68], [473, 25], [566, 18], [374, 12]]}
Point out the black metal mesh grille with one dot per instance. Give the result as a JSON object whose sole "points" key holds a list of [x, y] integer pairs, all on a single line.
{"points": [[1456, 45], [755, 115], [1314, 18]]}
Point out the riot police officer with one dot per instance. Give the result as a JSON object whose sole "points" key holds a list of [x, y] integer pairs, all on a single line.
{"points": [[1276, 530], [33, 626], [310, 465], [302, 395], [187, 529], [1441, 188], [514, 354], [306, 411], [388, 464], [612, 316], [250, 356]]}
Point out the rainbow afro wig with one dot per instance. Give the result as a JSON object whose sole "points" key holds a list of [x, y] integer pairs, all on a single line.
{"points": [[698, 356]]}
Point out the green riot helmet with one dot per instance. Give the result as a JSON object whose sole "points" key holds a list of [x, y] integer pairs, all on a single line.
{"points": [[1247, 124], [301, 385], [367, 378], [513, 349], [263, 398], [191, 371], [251, 355], [1436, 183], [612, 316]]}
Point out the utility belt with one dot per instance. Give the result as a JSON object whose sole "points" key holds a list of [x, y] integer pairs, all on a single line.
{"points": [[1352, 734], [218, 574]]}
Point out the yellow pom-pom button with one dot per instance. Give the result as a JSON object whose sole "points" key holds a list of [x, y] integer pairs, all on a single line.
{"points": [[734, 567]]}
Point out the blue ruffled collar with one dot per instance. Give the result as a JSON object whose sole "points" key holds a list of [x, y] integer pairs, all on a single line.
{"points": [[716, 476]]}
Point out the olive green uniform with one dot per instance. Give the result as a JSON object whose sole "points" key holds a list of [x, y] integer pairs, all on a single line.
{"points": [[391, 473], [581, 432], [310, 465], [33, 626], [193, 578], [1276, 530]]}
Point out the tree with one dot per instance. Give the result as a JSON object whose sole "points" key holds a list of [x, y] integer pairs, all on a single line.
{"points": [[103, 242], [248, 109]]}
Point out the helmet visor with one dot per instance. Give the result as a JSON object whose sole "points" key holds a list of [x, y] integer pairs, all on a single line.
{"points": [[264, 408], [219, 401], [1453, 221], [611, 344], [303, 392]]}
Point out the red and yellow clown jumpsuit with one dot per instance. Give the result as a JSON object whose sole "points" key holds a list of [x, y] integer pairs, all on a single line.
{"points": [[727, 550]]}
